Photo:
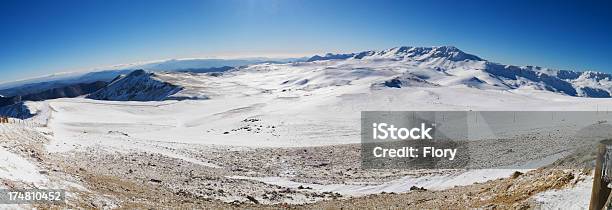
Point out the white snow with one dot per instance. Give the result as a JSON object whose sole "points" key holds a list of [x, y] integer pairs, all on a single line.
{"points": [[430, 182], [16, 168], [324, 116], [442, 181], [576, 197]]}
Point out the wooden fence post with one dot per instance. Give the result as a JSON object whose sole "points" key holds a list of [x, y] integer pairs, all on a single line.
{"points": [[602, 176]]}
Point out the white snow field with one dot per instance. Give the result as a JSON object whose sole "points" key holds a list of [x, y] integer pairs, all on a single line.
{"points": [[309, 103], [298, 104], [14, 167]]}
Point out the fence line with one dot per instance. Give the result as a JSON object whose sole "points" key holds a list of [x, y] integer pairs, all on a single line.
{"points": [[4, 119], [17, 121]]}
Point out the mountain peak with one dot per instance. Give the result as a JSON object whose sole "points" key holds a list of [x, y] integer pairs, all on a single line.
{"points": [[405, 52], [422, 53], [139, 85]]}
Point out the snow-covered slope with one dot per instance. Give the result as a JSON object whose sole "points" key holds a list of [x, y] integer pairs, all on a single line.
{"points": [[136, 86], [306, 103]]}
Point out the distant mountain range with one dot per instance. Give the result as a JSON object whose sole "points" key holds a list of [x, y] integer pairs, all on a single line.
{"points": [[446, 58], [74, 84], [398, 67], [195, 65]]}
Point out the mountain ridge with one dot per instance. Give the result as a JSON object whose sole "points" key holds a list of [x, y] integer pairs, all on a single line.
{"points": [[450, 52], [573, 83], [412, 66], [138, 85]]}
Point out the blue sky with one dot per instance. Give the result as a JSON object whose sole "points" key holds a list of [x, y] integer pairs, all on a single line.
{"points": [[43, 37]]}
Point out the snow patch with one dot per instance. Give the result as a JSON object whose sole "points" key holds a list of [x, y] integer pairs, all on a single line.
{"points": [[576, 197], [430, 182], [16, 168]]}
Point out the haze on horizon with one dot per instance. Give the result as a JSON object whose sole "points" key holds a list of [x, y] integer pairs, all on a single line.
{"points": [[45, 37]]}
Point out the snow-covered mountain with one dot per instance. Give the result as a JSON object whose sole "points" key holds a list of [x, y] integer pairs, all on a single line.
{"points": [[72, 84], [139, 85], [399, 67], [471, 70], [67, 85]]}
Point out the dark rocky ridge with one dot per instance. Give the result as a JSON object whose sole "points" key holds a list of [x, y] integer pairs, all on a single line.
{"points": [[69, 91]]}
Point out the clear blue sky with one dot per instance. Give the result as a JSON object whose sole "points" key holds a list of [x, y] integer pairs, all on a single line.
{"points": [[42, 37]]}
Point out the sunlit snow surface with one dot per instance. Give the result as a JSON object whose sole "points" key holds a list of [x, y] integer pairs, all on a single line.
{"points": [[307, 104], [577, 197], [301, 104], [16, 168]]}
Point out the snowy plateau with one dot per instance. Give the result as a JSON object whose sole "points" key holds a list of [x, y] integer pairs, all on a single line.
{"points": [[285, 133]]}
